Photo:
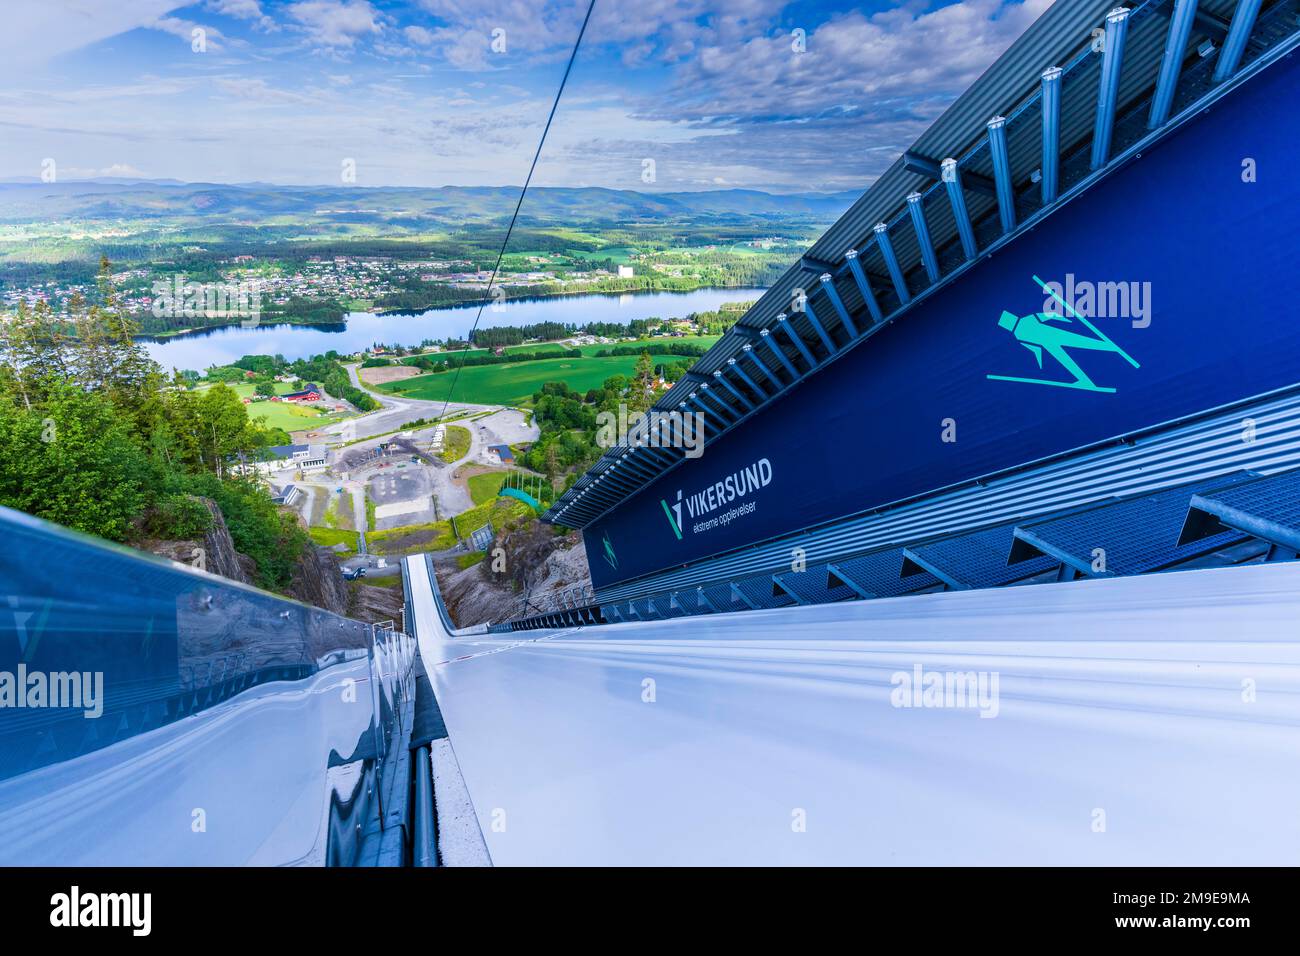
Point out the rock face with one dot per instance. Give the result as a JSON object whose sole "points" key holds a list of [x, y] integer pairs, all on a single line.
{"points": [[537, 562], [214, 553], [373, 603], [223, 559], [317, 580]]}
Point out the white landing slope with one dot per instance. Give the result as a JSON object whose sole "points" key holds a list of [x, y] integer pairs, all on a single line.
{"points": [[1148, 720]]}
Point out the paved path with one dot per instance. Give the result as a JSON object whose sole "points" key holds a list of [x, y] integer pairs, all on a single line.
{"points": [[395, 413]]}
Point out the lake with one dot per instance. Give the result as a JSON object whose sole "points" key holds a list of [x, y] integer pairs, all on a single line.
{"points": [[225, 345]]}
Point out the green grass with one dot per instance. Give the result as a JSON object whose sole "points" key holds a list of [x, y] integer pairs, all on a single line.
{"points": [[370, 512], [471, 559], [433, 536], [290, 416], [455, 445], [328, 537], [392, 581], [513, 384], [438, 535], [620, 254], [495, 512], [483, 488], [510, 384], [704, 340], [442, 356]]}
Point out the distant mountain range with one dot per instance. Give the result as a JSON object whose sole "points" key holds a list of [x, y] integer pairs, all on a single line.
{"points": [[115, 198]]}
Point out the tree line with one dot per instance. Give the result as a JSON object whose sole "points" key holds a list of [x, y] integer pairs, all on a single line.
{"points": [[95, 437]]}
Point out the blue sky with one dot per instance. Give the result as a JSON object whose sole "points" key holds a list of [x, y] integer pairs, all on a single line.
{"points": [[714, 93]]}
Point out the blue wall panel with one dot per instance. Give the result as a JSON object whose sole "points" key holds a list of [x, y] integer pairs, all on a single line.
{"points": [[1215, 252]]}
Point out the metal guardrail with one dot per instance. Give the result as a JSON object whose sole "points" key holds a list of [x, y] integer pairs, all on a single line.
{"points": [[572, 607]]}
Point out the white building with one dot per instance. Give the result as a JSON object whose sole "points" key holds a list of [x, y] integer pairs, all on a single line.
{"points": [[289, 457]]}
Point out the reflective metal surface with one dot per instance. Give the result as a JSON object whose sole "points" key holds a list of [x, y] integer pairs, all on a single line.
{"points": [[151, 713]]}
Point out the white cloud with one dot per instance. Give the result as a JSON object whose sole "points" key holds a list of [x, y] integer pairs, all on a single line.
{"points": [[250, 10], [851, 62], [34, 33], [419, 35], [258, 90], [336, 23]]}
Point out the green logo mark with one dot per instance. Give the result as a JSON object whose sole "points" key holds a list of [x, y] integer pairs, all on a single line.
{"points": [[1041, 332], [610, 556], [674, 515]]}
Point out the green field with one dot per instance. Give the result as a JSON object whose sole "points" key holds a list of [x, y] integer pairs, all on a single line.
{"points": [[475, 353], [513, 384], [290, 416], [508, 384], [483, 488], [704, 340]]}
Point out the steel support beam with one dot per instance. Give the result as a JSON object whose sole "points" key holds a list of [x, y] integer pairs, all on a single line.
{"points": [[952, 181], [834, 570], [914, 162], [817, 327], [783, 323], [1002, 172], [864, 287], [640, 471], [1171, 64], [779, 585], [1243, 21], [660, 455], [730, 412], [891, 262], [745, 377], [809, 264], [916, 210], [1051, 161], [739, 595], [832, 293], [765, 335], [747, 351], [719, 377], [1112, 59]]}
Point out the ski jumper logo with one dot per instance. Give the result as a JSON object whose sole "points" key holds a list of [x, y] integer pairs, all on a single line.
{"points": [[1046, 334]]}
